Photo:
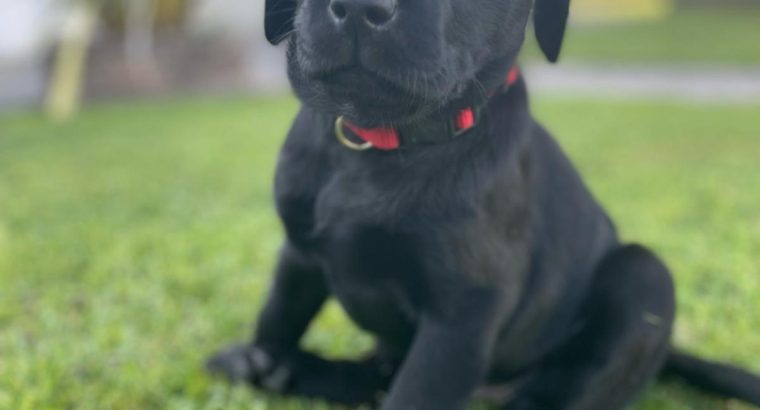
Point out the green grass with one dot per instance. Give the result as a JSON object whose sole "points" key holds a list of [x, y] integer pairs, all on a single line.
{"points": [[706, 36], [138, 238]]}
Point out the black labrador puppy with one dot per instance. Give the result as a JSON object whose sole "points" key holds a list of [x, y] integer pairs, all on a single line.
{"points": [[417, 189]]}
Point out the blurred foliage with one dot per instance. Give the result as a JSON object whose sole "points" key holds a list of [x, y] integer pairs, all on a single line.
{"points": [[621, 10], [702, 36], [166, 13], [138, 238]]}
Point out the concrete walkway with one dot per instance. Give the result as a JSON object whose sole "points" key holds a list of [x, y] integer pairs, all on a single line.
{"points": [[739, 85]]}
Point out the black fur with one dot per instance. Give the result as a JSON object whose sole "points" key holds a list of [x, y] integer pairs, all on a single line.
{"points": [[550, 22], [481, 261], [279, 19]]}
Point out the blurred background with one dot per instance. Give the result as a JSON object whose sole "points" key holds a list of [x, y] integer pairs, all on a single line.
{"points": [[137, 146], [57, 54]]}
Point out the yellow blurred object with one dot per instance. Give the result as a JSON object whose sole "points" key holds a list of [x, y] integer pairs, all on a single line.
{"points": [[170, 12], [621, 10], [166, 13], [65, 87]]}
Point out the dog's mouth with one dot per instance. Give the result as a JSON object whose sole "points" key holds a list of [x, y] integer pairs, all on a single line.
{"points": [[372, 96], [357, 78], [416, 84]]}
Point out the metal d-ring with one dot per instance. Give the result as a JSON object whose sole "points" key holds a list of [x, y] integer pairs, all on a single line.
{"points": [[341, 135]]}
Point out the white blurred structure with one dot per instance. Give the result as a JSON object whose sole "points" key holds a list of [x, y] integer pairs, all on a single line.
{"points": [[27, 27], [235, 16], [27, 31], [243, 19]]}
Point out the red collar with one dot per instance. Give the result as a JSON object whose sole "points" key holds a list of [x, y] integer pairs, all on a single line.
{"points": [[389, 139]]}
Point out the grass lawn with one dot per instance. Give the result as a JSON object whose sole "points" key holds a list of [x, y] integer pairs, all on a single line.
{"points": [[709, 36], [140, 237]]}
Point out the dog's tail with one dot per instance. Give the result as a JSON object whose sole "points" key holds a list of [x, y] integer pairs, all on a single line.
{"points": [[716, 378]]}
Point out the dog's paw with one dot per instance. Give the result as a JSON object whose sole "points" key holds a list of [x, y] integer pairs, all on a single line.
{"points": [[232, 364], [246, 363]]}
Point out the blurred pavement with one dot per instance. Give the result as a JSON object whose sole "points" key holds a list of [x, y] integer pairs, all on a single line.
{"points": [[686, 82]]}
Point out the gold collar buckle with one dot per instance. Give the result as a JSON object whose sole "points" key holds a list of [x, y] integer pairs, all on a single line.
{"points": [[340, 133]]}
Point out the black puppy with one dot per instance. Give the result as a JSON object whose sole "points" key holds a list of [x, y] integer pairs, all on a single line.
{"points": [[449, 224]]}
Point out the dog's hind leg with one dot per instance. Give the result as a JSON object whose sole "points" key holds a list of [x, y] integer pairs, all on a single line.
{"points": [[623, 340]]}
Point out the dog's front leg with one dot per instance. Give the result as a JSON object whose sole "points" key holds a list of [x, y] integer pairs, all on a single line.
{"points": [[297, 295], [450, 355], [273, 359]]}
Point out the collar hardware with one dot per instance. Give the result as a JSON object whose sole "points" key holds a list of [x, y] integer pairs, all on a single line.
{"points": [[464, 121], [340, 133]]}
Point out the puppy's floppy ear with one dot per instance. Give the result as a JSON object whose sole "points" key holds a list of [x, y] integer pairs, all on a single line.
{"points": [[550, 21], [278, 19]]}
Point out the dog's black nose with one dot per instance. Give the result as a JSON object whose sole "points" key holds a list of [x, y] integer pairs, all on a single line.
{"points": [[368, 13]]}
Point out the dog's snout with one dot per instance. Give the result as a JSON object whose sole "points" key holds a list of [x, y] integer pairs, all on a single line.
{"points": [[372, 14]]}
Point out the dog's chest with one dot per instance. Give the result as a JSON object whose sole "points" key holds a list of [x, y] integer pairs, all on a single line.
{"points": [[370, 268], [369, 221], [373, 275], [376, 278]]}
